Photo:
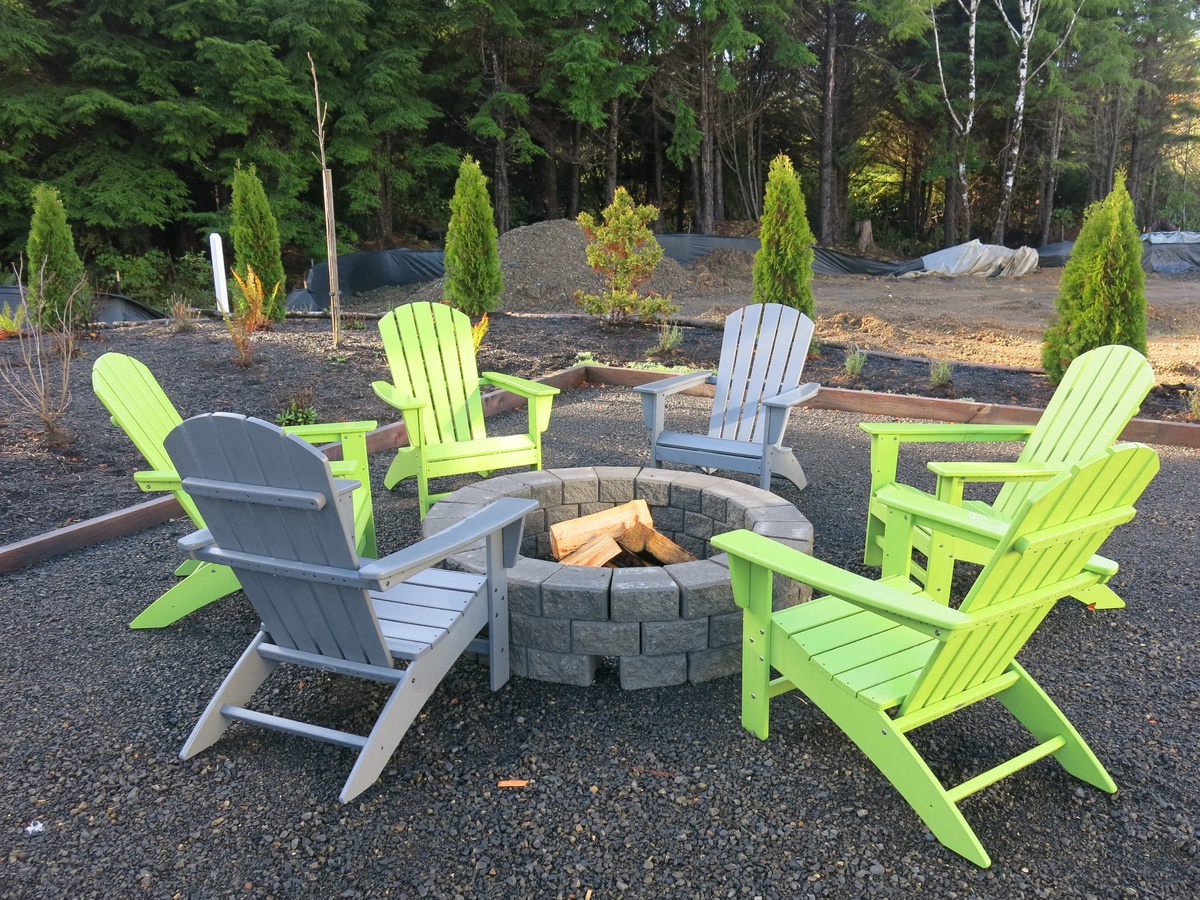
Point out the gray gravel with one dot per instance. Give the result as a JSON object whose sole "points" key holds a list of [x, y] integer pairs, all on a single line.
{"points": [[655, 793]]}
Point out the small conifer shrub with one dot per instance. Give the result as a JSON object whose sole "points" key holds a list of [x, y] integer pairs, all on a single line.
{"points": [[473, 281], [59, 291], [624, 250], [255, 236], [783, 263], [1102, 293]]}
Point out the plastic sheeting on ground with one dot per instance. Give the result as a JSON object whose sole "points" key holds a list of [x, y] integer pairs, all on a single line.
{"points": [[1163, 252], [985, 260], [105, 307]]}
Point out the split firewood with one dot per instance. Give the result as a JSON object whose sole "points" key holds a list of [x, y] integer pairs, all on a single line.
{"points": [[596, 552], [574, 533]]}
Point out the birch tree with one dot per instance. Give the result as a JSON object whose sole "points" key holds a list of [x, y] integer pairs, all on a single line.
{"points": [[962, 121], [1022, 34]]}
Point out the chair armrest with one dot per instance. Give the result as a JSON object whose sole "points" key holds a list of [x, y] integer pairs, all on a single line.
{"points": [[912, 610], [674, 384], [330, 432], [938, 515], [386, 391], [954, 476], [788, 399], [522, 387], [945, 432], [158, 480], [403, 564]]}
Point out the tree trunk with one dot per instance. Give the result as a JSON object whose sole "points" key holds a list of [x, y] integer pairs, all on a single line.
{"points": [[574, 204], [825, 227], [706, 209], [1050, 176], [613, 149]]}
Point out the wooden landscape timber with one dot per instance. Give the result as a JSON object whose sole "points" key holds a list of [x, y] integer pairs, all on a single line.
{"points": [[388, 437]]}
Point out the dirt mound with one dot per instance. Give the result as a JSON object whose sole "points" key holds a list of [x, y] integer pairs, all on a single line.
{"points": [[867, 332]]}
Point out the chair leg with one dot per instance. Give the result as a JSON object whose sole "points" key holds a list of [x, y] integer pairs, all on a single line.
{"points": [[1100, 596], [874, 733], [421, 679], [201, 588], [405, 465], [187, 567], [250, 671], [1038, 713], [782, 461]]}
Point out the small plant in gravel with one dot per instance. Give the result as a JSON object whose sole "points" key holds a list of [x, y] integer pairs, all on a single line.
{"points": [[10, 321], [1102, 293], [248, 316], [479, 330], [40, 382], [855, 360], [670, 338], [783, 263], [183, 316], [300, 409], [474, 282], [1194, 404], [624, 250], [940, 372]]}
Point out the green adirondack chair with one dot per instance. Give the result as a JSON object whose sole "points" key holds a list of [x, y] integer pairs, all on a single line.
{"points": [[139, 406], [881, 658], [436, 386], [1099, 394]]}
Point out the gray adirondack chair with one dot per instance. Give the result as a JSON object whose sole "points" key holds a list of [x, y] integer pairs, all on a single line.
{"points": [[756, 385], [285, 525]]}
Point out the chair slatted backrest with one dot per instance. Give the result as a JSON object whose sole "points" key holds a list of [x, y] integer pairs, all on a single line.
{"points": [[432, 358], [294, 537], [1100, 392], [140, 407], [763, 352], [1040, 560]]}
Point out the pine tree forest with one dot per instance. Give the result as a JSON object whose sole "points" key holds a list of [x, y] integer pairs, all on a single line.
{"points": [[937, 120]]}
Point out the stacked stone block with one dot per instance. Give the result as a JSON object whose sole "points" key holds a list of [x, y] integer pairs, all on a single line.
{"points": [[665, 625]]}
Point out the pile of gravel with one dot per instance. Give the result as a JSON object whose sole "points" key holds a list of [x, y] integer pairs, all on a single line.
{"points": [[544, 264]]}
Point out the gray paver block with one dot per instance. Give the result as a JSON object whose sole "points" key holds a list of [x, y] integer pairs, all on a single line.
{"points": [[615, 483], [562, 668], [525, 585], [544, 487], [473, 560], [687, 490], [653, 671], [698, 526], [644, 595], [579, 485], [577, 592], [725, 629], [667, 518], [586, 509], [715, 507], [445, 513], [680, 636], [606, 638], [705, 665], [704, 588], [692, 545], [654, 486], [560, 513], [540, 633], [518, 661]]}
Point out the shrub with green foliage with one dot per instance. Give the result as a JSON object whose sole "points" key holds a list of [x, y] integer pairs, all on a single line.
{"points": [[473, 282], [783, 264], [55, 270], [255, 236], [1102, 293], [625, 252]]}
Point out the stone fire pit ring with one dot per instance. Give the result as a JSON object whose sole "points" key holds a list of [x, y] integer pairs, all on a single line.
{"points": [[665, 625]]}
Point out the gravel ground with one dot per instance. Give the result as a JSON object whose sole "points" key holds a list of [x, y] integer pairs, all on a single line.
{"points": [[688, 806]]}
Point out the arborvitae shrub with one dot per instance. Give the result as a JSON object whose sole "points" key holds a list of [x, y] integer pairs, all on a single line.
{"points": [[624, 250], [55, 271], [255, 235], [783, 264], [473, 281], [1102, 293]]}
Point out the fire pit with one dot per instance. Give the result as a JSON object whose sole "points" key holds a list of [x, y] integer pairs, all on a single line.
{"points": [[664, 625]]}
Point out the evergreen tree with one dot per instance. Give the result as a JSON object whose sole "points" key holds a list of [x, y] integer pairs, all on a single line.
{"points": [[1102, 293], [783, 264], [58, 296], [473, 282], [255, 237]]}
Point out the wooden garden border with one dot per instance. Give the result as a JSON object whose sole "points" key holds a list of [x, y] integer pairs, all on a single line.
{"points": [[162, 509]]}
